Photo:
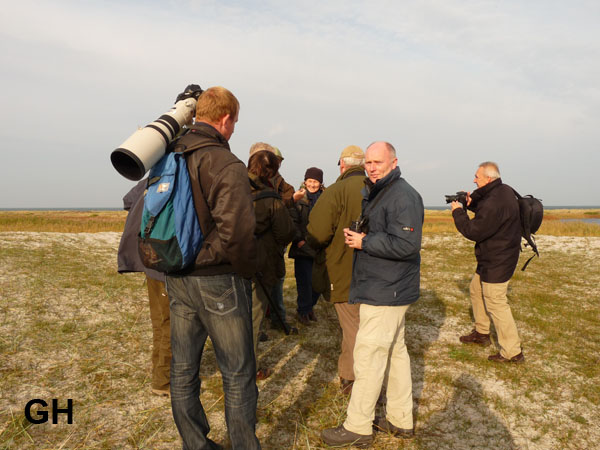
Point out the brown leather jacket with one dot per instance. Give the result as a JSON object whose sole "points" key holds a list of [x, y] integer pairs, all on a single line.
{"points": [[223, 203]]}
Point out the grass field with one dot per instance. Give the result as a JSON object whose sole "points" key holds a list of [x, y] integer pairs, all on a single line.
{"points": [[71, 327]]}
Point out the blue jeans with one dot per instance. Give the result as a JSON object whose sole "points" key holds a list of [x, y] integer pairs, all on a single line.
{"points": [[218, 306], [307, 298]]}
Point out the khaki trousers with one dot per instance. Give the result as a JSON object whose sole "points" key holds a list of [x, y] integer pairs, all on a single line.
{"points": [[161, 334], [380, 348], [259, 309], [348, 315], [489, 300]]}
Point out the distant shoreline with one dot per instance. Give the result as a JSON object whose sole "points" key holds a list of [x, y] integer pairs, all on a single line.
{"points": [[434, 208]]}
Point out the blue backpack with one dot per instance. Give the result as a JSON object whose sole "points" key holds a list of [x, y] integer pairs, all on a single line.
{"points": [[170, 236]]}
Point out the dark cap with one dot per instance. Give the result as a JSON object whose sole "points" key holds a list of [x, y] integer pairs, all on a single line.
{"points": [[314, 173]]}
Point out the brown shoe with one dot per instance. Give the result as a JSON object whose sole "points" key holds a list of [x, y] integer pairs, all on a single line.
{"points": [[263, 374], [340, 437], [262, 336], [476, 338], [382, 424], [311, 316], [499, 358], [303, 319], [346, 386]]}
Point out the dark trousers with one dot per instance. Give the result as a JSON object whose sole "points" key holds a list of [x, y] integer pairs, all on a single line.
{"points": [[307, 298]]}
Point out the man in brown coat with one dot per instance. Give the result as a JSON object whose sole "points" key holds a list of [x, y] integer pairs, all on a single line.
{"points": [[338, 206], [213, 298]]}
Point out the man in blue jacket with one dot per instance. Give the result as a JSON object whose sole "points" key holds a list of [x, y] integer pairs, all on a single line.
{"points": [[385, 281]]}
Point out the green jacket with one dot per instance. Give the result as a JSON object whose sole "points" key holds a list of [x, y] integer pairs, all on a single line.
{"points": [[274, 231], [339, 205]]}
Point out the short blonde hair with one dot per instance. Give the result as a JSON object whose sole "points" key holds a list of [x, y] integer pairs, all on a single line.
{"points": [[215, 103]]}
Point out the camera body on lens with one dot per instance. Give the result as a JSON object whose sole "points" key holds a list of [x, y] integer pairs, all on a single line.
{"points": [[460, 196], [361, 225], [147, 145]]}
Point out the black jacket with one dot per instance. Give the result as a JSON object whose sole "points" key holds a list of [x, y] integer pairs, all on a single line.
{"points": [[274, 231], [496, 230], [299, 213], [386, 272]]}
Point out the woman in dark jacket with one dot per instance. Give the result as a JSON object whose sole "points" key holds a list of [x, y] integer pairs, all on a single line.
{"points": [[302, 253], [274, 231]]}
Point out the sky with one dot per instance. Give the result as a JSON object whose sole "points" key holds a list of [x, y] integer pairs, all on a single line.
{"points": [[450, 83]]}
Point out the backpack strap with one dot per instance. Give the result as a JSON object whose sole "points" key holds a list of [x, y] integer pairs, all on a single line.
{"points": [[180, 147]]}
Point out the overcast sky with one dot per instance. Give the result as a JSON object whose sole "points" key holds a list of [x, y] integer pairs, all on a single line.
{"points": [[450, 83]]}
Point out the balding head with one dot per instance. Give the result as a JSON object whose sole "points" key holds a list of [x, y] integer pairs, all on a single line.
{"points": [[380, 160]]}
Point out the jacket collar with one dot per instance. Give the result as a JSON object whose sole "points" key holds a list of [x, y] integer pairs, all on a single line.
{"points": [[372, 189], [208, 131], [257, 184], [483, 191], [352, 171]]}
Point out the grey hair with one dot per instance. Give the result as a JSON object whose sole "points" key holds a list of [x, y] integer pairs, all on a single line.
{"points": [[349, 161], [490, 169]]}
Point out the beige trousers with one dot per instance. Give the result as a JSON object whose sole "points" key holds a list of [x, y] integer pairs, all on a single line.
{"points": [[379, 351], [161, 333], [259, 309], [489, 300], [348, 315]]}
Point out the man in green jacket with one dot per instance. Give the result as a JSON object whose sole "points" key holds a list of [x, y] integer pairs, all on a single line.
{"points": [[338, 206]]}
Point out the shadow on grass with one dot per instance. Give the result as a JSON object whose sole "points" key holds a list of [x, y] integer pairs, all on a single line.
{"points": [[295, 421], [465, 422], [429, 312]]}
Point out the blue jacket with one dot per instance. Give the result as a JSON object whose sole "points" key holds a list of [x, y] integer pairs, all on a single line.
{"points": [[386, 272]]}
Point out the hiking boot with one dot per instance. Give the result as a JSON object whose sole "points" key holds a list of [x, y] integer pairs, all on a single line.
{"points": [[476, 338], [262, 336], [382, 424], [346, 386], [499, 358], [339, 436], [303, 319], [311, 316]]}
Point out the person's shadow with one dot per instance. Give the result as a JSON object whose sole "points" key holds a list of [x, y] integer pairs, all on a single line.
{"points": [[466, 422], [423, 322]]}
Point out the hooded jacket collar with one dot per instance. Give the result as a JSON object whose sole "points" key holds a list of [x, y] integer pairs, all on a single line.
{"points": [[206, 131], [374, 188], [483, 191]]}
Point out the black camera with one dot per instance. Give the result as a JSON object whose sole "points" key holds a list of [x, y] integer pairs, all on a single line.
{"points": [[460, 196], [361, 225]]}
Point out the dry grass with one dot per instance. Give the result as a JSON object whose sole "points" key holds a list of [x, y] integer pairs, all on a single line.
{"points": [[71, 327], [63, 221], [436, 221]]}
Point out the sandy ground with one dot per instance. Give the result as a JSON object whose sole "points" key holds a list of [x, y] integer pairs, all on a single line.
{"points": [[460, 402]]}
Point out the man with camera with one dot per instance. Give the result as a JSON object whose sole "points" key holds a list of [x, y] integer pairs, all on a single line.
{"points": [[337, 207], [213, 298], [496, 230], [385, 281]]}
